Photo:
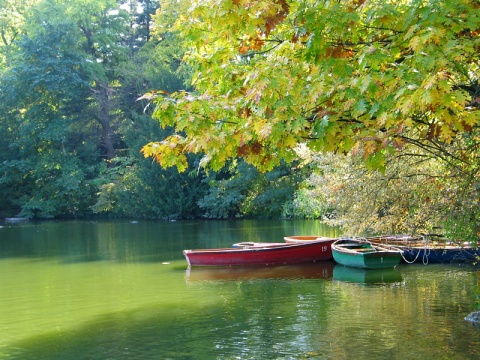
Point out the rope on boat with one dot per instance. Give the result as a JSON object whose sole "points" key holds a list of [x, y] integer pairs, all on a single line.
{"points": [[425, 255], [381, 247], [426, 252], [426, 249], [410, 262]]}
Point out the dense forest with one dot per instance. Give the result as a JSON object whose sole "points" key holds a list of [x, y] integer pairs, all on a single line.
{"points": [[362, 114], [72, 120]]}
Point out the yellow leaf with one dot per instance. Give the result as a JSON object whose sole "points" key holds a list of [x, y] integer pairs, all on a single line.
{"points": [[263, 129], [382, 119], [446, 133], [289, 141], [430, 82], [416, 43]]}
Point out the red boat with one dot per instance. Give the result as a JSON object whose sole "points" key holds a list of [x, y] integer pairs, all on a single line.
{"points": [[263, 254]]}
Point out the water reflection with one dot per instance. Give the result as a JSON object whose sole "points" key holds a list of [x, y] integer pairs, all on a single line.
{"points": [[122, 291], [366, 276], [319, 270], [124, 241]]}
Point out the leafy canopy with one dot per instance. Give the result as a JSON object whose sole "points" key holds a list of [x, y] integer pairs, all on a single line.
{"points": [[365, 76], [418, 193]]}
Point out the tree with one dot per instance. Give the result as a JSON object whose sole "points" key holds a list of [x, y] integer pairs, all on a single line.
{"points": [[141, 20], [70, 123], [39, 93], [239, 190], [417, 193], [12, 19], [51, 90], [134, 186], [366, 77], [138, 188]]}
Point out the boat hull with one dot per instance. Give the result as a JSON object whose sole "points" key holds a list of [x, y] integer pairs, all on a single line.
{"points": [[416, 249], [440, 255], [256, 255], [423, 250], [364, 255], [367, 261]]}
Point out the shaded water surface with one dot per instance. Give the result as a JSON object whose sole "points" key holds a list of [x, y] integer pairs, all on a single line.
{"points": [[119, 290]]}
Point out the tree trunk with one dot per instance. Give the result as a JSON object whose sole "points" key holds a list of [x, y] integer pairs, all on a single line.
{"points": [[104, 96]]}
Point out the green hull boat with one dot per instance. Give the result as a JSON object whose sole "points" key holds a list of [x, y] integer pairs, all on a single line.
{"points": [[365, 255], [366, 276]]}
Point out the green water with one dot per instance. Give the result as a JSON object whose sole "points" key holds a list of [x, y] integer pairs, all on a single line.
{"points": [[118, 290]]}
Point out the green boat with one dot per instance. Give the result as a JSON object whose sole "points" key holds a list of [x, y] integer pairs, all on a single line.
{"points": [[363, 254], [366, 276]]}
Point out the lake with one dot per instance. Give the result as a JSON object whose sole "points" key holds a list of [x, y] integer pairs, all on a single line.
{"points": [[122, 290]]}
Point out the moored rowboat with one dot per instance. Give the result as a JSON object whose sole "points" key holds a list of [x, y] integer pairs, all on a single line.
{"points": [[424, 249], [266, 254], [363, 254], [417, 248]]}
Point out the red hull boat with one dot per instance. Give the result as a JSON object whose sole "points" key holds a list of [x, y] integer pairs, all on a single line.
{"points": [[265, 254]]}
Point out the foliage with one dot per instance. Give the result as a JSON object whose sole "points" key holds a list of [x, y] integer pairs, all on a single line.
{"points": [[362, 200], [141, 12], [239, 190], [137, 188], [61, 189], [271, 82], [68, 94], [12, 19], [39, 92], [360, 76], [418, 193], [225, 195], [308, 202], [460, 190]]}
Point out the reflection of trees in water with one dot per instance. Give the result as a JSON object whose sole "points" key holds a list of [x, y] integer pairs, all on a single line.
{"points": [[129, 308], [279, 317]]}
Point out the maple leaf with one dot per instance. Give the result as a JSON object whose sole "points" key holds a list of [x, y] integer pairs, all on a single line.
{"points": [[263, 129], [446, 133], [305, 65]]}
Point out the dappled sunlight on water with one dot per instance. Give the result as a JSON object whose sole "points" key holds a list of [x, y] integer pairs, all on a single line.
{"points": [[106, 297]]}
